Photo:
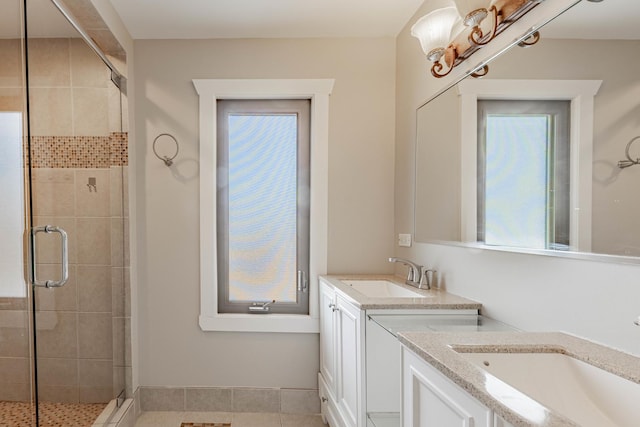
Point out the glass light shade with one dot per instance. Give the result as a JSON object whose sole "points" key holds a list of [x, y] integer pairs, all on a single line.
{"points": [[434, 29], [458, 28], [465, 7]]}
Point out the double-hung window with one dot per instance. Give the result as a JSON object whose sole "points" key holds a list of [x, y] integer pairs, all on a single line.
{"points": [[263, 206]]}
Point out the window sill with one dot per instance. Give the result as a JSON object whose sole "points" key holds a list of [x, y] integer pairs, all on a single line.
{"points": [[282, 323]]}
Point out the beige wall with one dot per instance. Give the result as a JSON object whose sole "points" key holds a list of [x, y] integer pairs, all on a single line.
{"points": [[173, 350], [593, 299]]}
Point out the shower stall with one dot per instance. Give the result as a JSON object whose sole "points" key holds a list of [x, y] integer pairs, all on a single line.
{"points": [[64, 268]]}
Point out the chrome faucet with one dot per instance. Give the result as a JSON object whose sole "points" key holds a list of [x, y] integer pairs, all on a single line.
{"points": [[417, 276]]}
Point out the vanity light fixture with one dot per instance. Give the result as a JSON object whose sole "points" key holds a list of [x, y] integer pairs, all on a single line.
{"points": [[450, 35], [434, 32]]}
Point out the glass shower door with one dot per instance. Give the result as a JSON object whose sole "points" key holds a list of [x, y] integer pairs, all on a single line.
{"points": [[76, 167], [63, 161], [17, 394]]}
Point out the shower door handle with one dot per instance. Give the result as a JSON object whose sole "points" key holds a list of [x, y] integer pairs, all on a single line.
{"points": [[65, 256]]}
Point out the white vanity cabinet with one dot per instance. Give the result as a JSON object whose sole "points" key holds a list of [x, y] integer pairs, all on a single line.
{"points": [[360, 365], [430, 399], [341, 359]]}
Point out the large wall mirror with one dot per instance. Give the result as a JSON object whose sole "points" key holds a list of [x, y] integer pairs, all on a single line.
{"points": [[497, 167]]}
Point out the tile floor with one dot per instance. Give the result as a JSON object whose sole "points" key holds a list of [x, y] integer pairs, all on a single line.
{"points": [[16, 414], [237, 419]]}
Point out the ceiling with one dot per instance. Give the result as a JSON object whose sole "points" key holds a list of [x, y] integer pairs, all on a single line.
{"points": [[183, 19], [609, 19], [166, 19]]}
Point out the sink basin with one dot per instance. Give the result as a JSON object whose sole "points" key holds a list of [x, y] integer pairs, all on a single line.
{"points": [[381, 289], [588, 395]]}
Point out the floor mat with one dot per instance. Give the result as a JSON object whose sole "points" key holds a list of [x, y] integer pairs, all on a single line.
{"points": [[205, 425]]}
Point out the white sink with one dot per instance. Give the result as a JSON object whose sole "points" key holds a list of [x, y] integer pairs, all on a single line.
{"points": [[588, 395], [381, 289]]}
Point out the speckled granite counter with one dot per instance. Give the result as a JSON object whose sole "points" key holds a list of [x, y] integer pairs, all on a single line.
{"points": [[436, 299], [441, 350]]}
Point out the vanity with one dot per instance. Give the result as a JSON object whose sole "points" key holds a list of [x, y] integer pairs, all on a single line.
{"points": [[517, 379], [392, 355], [360, 371]]}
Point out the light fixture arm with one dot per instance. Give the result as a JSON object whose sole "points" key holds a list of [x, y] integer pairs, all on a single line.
{"points": [[481, 72], [477, 37], [435, 56], [437, 68], [531, 40]]}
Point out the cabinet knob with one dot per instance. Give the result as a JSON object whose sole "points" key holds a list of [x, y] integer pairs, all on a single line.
{"points": [[324, 399]]}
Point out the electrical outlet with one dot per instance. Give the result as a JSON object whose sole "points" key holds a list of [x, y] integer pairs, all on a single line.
{"points": [[404, 240]]}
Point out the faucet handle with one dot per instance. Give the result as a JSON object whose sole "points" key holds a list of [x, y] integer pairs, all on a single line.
{"points": [[425, 278]]}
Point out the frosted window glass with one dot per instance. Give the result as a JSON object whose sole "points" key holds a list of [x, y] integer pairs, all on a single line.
{"points": [[516, 181], [262, 207], [12, 282]]}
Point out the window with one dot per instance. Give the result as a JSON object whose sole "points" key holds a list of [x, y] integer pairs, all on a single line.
{"points": [[262, 204], [523, 173], [283, 317], [580, 95], [12, 278]]}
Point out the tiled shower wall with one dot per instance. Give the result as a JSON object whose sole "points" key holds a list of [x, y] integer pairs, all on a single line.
{"points": [[79, 176]]}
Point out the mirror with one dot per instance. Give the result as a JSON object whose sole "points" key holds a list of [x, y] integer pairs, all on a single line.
{"points": [[574, 47]]}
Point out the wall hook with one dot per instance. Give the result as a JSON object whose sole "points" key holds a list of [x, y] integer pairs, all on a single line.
{"points": [[168, 161]]}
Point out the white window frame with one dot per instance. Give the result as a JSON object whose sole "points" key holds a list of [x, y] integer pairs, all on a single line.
{"points": [[209, 91], [581, 93]]}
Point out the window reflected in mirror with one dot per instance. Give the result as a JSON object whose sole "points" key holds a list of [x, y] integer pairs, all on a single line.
{"points": [[523, 173]]}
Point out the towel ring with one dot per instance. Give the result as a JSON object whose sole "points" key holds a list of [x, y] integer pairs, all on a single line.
{"points": [[166, 159], [629, 162]]}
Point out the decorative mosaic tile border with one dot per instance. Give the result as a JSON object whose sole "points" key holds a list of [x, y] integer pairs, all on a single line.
{"points": [[119, 148], [80, 151]]}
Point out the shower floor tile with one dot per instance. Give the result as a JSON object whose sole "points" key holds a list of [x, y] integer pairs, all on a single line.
{"points": [[20, 414]]}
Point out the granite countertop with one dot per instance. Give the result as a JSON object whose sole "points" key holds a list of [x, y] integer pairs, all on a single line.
{"points": [[441, 350], [437, 299]]}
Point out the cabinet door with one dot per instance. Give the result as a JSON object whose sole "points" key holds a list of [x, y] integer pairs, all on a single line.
{"points": [[349, 362], [499, 422], [327, 404], [328, 336], [432, 400]]}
